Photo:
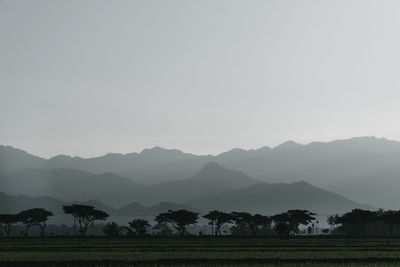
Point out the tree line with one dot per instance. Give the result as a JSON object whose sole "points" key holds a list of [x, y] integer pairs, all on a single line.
{"points": [[356, 222], [360, 222]]}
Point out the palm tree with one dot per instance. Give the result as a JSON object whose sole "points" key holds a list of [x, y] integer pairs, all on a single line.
{"points": [[332, 220]]}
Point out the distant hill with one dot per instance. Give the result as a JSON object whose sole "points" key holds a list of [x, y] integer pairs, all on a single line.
{"points": [[39, 182], [72, 185], [136, 209], [149, 166], [349, 167], [213, 175], [259, 198], [13, 160], [133, 208], [211, 179], [107, 187], [14, 204], [214, 187], [274, 198]]}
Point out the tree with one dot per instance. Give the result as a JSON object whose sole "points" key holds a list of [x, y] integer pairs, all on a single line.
{"points": [[71, 210], [282, 227], [179, 219], [358, 218], [310, 230], [111, 229], [162, 229], [217, 219], [140, 226], [262, 221], [299, 217], [32, 217], [84, 215], [281, 224], [292, 219], [6, 220], [390, 217], [243, 223], [212, 218], [253, 223], [332, 220]]}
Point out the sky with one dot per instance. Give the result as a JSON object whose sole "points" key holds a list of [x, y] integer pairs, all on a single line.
{"points": [[88, 77]]}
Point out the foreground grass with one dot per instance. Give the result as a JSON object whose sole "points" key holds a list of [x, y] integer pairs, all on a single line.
{"points": [[199, 251]]}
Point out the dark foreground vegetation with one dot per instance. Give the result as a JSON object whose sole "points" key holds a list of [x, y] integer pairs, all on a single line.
{"points": [[200, 251], [358, 223], [357, 238]]}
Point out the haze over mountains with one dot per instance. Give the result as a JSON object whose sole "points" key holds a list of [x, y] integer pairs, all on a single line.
{"points": [[214, 187], [14, 204], [363, 169]]}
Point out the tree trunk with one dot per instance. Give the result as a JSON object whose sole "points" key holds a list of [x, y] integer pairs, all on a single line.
{"points": [[363, 229], [81, 227], [27, 230], [254, 230], [74, 225], [218, 230], [7, 229], [42, 228], [85, 229], [182, 231]]}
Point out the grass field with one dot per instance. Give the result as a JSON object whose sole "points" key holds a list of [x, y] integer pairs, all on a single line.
{"points": [[200, 251]]}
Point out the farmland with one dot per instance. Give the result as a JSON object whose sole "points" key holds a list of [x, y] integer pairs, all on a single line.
{"points": [[200, 251]]}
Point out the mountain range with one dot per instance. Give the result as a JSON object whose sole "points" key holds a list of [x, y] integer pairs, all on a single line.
{"points": [[363, 169], [212, 187]]}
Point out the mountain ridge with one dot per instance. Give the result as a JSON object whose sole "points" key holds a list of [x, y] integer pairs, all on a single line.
{"points": [[270, 198], [159, 148], [331, 165], [213, 187]]}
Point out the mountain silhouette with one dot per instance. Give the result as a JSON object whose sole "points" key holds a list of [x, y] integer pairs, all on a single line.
{"points": [[133, 208], [71, 185], [211, 179], [287, 146], [13, 160], [13, 204], [274, 198], [214, 186], [115, 190], [349, 167]]}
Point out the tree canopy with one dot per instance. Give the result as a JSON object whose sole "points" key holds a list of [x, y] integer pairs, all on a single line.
{"points": [[217, 219], [245, 221], [140, 226], [84, 215], [6, 220], [179, 219], [111, 229], [31, 217], [289, 222]]}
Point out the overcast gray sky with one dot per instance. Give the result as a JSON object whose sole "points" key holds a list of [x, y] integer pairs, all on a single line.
{"points": [[85, 78]]}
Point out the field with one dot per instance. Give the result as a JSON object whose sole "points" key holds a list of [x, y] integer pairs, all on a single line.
{"points": [[201, 251]]}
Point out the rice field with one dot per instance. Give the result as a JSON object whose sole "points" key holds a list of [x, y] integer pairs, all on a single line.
{"points": [[198, 251]]}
